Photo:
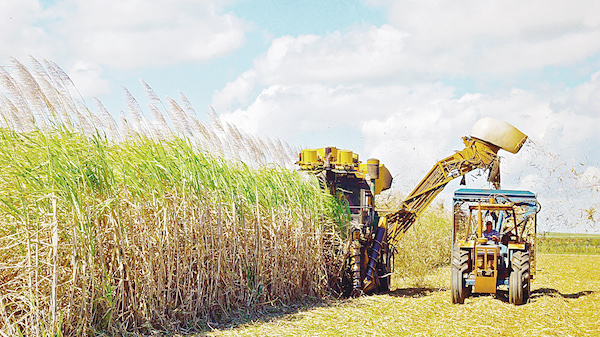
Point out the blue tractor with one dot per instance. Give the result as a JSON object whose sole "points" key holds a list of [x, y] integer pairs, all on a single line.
{"points": [[493, 245]]}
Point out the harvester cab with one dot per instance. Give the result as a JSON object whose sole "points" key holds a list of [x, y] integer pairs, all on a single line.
{"points": [[481, 262], [373, 234]]}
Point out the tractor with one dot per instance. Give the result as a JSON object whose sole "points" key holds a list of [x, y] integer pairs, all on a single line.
{"points": [[502, 255]]}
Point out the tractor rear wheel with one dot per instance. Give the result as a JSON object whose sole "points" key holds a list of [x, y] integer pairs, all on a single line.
{"points": [[519, 279], [460, 268]]}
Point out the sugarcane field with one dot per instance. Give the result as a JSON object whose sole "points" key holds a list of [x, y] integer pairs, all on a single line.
{"points": [[124, 228], [365, 168]]}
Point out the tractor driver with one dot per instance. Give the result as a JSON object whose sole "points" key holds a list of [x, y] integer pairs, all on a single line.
{"points": [[490, 233]]}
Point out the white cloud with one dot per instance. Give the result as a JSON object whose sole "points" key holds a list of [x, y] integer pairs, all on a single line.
{"points": [[287, 111], [468, 36], [88, 78], [531, 182], [357, 55], [584, 98], [127, 33], [136, 33], [429, 40], [86, 37], [316, 74], [22, 33], [236, 92], [424, 44]]}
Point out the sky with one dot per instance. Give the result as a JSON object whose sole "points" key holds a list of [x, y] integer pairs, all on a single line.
{"points": [[401, 81]]}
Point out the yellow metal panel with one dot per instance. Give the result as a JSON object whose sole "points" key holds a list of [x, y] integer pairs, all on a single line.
{"points": [[362, 170], [486, 273], [493, 207], [345, 157], [308, 159], [485, 284], [516, 246], [466, 244], [384, 181], [309, 156], [321, 153]]}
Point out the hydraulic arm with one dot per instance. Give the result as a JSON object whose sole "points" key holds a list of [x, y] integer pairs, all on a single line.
{"points": [[476, 154]]}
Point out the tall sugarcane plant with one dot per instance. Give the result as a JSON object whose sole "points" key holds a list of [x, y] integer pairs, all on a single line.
{"points": [[150, 223]]}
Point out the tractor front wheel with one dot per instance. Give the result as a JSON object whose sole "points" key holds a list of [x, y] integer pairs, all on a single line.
{"points": [[460, 268], [518, 282]]}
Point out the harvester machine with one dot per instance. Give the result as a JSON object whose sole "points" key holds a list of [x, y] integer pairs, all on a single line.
{"points": [[373, 234]]}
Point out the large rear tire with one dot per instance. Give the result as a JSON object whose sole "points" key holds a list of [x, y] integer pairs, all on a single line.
{"points": [[459, 269], [519, 279]]}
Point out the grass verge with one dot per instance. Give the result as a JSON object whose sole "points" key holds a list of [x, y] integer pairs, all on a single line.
{"points": [[562, 243]]}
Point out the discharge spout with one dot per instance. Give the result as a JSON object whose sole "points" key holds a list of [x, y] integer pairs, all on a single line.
{"points": [[499, 133]]}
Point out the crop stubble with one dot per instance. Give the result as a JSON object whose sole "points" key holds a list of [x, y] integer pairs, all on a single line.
{"points": [[564, 302]]}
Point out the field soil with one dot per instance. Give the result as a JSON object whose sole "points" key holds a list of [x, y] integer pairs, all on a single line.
{"points": [[565, 301]]}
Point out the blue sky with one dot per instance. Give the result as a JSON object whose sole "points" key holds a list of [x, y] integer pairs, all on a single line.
{"points": [[399, 80], [307, 17]]}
